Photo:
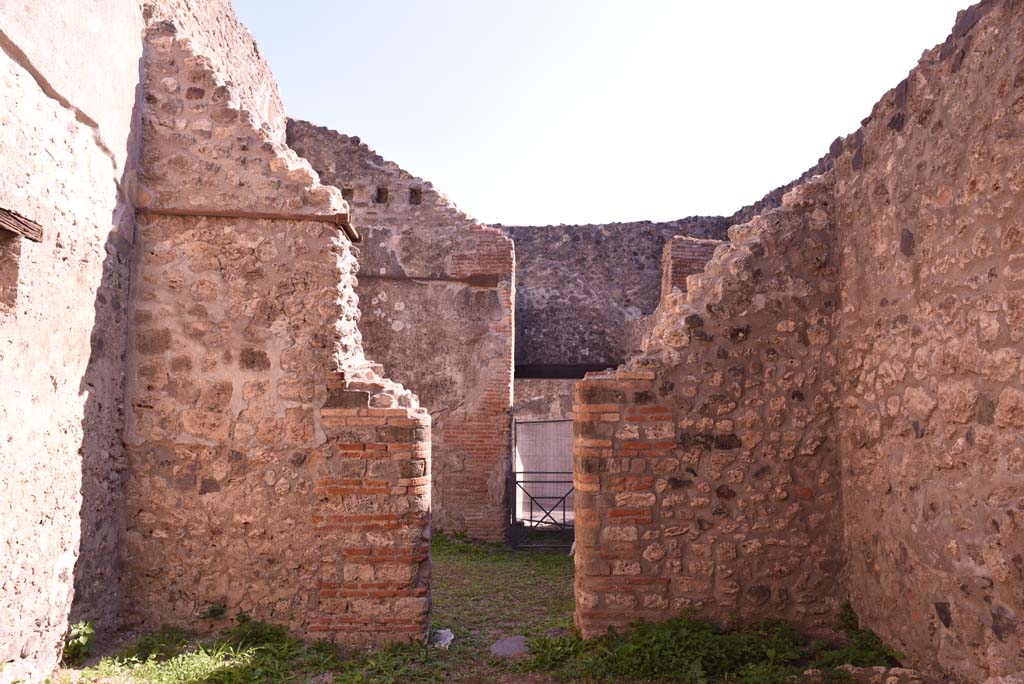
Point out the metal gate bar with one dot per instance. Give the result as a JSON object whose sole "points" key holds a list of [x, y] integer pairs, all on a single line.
{"points": [[548, 513], [542, 514], [536, 499]]}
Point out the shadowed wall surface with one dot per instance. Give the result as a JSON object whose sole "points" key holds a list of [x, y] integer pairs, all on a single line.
{"points": [[66, 148]]}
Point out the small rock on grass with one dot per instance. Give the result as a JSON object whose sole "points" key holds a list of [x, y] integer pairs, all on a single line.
{"points": [[443, 639], [510, 647]]}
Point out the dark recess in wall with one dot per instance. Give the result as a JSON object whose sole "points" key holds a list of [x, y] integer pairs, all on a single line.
{"points": [[563, 371]]}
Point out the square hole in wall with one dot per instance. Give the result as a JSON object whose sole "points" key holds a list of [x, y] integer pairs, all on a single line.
{"points": [[415, 196], [382, 195], [348, 194], [10, 255], [14, 228]]}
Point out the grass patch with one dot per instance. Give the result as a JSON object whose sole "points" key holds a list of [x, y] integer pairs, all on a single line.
{"points": [[863, 649], [250, 653], [691, 651], [482, 593], [485, 591]]}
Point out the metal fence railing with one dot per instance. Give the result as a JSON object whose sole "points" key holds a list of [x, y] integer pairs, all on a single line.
{"points": [[541, 482]]}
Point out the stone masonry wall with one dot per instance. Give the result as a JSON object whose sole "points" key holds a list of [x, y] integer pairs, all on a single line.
{"points": [[929, 210], [682, 257], [921, 358], [706, 469], [436, 289], [63, 153], [543, 399], [272, 470], [70, 146], [579, 287], [216, 32]]}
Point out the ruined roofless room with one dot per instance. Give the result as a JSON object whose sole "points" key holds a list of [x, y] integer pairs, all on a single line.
{"points": [[706, 366]]}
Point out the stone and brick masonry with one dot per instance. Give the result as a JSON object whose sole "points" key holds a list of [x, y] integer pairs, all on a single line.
{"points": [[834, 408], [581, 289], [271, 469], [683, 257], [831, 408], [436, 290], [705, 470]]}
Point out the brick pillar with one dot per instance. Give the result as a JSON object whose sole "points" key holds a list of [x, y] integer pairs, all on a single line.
{"points": [[373, 497], [621, 439]]}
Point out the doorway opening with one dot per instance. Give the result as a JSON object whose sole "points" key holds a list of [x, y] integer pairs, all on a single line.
{"points": [[540, 485]]}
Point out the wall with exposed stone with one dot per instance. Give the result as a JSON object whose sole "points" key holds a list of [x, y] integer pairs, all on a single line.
{"points": [[436, 290], [683, 257], [579, 287], [271, 469], [70, 145], [929, 212], [887, 401], [215, 31], [543, 399], [838, 395], [64, 150], [773, 198], [706, 470]]}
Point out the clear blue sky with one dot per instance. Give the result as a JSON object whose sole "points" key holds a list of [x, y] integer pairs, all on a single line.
{"points": [[575, 111]]}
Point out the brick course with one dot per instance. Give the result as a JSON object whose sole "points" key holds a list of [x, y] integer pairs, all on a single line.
{"points": [[684, 256]]}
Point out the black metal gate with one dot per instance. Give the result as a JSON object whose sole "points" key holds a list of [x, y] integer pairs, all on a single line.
{"points": [[541, 483]]}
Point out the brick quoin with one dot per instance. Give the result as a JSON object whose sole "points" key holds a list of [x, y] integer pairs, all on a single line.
{"points": [[704, 476], [684, 256], [379, 591], [436, 292]]}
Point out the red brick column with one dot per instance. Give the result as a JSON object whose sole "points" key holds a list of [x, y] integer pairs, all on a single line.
{"points": [[372, 507], [620, 435], [684, 256]]}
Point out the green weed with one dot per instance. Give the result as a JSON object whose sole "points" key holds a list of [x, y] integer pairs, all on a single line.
{"points": [[78, 643], [216, 612], [691, 651], [864, 648]]}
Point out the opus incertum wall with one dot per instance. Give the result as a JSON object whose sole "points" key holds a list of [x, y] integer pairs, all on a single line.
{"points": [[271, 469], [929, 207], [835, 407], [706, 470], [832, 408]]}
